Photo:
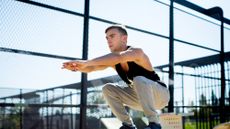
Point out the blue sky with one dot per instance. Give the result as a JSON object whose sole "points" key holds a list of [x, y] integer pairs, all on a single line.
{"points": [[30, 28]]}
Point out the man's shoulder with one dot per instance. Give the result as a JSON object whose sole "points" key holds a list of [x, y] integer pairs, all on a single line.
{"points": [[136, 50]]}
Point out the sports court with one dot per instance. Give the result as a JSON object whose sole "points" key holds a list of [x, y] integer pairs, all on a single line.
{"points": [[187, 42]]}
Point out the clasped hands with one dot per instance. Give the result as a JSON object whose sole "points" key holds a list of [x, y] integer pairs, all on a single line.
{"points": [[78, 65]]}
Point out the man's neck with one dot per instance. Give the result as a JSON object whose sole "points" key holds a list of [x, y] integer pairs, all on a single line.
{"points": [[124, 48]]}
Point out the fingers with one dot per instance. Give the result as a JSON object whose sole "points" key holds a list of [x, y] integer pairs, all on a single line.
{"points": [[70, 66], [77, 65]]}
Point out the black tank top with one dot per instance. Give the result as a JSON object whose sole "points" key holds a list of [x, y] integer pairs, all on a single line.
{"points": [[136, 70]]}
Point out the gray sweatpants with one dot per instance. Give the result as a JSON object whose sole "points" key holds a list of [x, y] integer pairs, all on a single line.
{"points": [[146, 95]]}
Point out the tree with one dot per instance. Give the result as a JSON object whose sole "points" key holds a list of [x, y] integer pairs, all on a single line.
{"points": [[203, 100], [214, 99]]}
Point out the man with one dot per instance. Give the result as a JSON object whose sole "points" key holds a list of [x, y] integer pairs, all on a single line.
{"points": [[145, 91]]}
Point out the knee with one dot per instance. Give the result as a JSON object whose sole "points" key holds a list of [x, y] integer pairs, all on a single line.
{"points": [[139, 81], [107, 89]]}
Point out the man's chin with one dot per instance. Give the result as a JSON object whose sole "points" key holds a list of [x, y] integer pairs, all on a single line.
{"points": [[111, 50], [114, 50]]}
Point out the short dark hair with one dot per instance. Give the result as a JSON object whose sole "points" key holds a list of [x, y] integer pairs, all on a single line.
{"points": [[119, 27]]}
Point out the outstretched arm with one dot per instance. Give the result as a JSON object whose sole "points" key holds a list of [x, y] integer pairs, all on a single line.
{"points": [[109, 60], [72, 66]]}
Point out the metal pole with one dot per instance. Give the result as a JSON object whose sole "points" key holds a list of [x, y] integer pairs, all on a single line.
{"points": [[62, 109], [4, 115], [47, 110], [182, 86], [212, 12], [21, 124], [52, 114], [83, 105], [205, 91], [171, 59], [222, 59], [196, 90], [71, 110]]}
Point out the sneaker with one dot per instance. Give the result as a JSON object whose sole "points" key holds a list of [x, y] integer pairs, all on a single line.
{"points": [[153, 125], [124, 126]]}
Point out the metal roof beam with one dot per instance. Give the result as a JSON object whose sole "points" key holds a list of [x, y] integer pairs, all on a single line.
{"points": [[208, 12]]}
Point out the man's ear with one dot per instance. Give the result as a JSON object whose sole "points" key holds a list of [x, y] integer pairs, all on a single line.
{"points": [[124, 38]]}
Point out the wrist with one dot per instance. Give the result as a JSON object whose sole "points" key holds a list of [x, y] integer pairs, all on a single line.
{"points": [[86, 63]]}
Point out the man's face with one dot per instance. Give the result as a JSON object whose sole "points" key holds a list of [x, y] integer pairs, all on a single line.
{"points": [[115, 40]]}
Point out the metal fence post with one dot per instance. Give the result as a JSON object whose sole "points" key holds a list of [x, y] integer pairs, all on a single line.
{"points": [[83, 105], [171, 58]]}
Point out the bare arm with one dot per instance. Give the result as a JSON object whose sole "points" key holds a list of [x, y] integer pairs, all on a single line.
{"points": [[134, 54], [92, 68], [72, 66], [110, 60]]}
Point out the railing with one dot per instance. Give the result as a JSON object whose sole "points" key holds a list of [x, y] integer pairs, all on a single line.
{"points": [[15, 109]]}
